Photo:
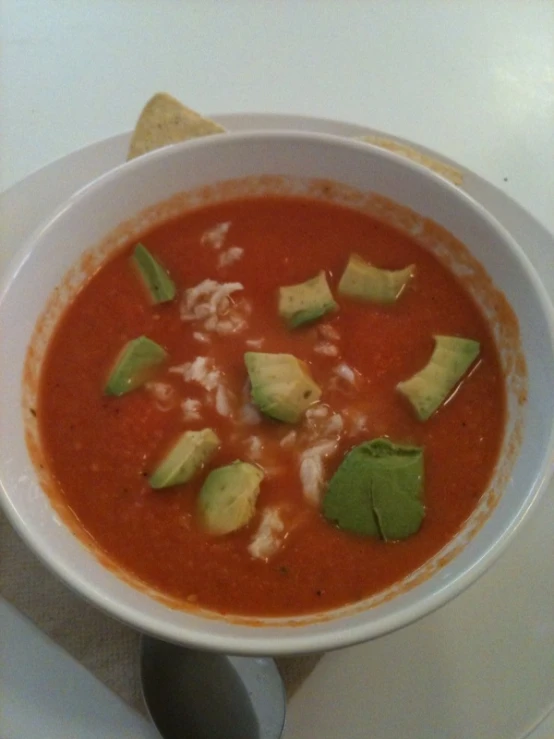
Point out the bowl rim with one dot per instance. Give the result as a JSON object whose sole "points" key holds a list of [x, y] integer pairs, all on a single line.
{"points": [[294, 640]]}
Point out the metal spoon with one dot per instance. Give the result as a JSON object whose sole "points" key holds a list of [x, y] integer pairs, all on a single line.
{"points": [[200, 695]]}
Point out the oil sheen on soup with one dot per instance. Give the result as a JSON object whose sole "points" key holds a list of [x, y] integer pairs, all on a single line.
{"points": [[271, 406]]}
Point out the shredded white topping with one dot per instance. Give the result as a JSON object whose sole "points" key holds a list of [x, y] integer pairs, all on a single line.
{"points": [[312, 470], [215, 236], [289, 440], [358, 421], [255, 446], [232, 324], [311, 477], [201, 337], [208, 298], [203, 372], [163, 393], [328, 332], [334, 425], [191, 409], [200, 370], [269, 535], [229, 256], [318, 411], [346, 372], [322, 422], [329, 350], [322, 431], [211, 303], [250, 415], [322, 449], [254, 343], [223, 401]]}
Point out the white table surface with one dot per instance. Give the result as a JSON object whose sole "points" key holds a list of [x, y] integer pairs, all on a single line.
{"points": [[471, 79]]}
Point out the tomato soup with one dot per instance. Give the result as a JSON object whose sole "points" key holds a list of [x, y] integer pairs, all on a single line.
{"points": [[227, 262]]}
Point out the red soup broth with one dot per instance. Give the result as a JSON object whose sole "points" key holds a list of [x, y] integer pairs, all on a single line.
{"points": [[100, 450]]}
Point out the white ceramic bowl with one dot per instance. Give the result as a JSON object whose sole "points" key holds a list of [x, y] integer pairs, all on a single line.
{"points": [[118, 196]]}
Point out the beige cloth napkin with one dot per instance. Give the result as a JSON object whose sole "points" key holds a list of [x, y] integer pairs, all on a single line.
{"points": [[107, 648]]}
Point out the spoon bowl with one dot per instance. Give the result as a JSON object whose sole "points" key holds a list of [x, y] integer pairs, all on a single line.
{"points": [[203, 695]]}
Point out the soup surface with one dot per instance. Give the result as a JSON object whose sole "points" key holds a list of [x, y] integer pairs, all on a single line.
{"points": [[289, 559]]}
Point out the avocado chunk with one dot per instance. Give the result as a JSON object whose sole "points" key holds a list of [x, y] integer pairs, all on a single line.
{"points": [[362, 281], [159, 284], [134, 365], [228, 497], [431, 386], [377, 491], [185, 458], [282, 386], [305, 302]]}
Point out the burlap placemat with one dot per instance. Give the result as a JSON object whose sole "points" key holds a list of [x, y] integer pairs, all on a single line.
{"points": [[107, 648]]}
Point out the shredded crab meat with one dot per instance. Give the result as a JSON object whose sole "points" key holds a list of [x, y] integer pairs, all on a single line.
{"points": [[215, 236], [358, 422], [163, 393], [328, 332], [322, 422], [335, 425], [311, 477], [312, 469], [289, 440], [327, 349], [223, 399], [344, 378], [254, 343], [212, 303], [230, 256], [250, 415], [318, 411], [255, 446], [191, 409], [232, 324], [269, 536], [201, 371], [345, 372], [207, 299], [322, 432], [201, 337]]}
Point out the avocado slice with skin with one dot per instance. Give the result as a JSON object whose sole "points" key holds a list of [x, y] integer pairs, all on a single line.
{"points": [[228, 497], [282, 386], [362, 281], [186, 457], [431, 386], [156, 279], [377, 491], [306, 302], [134, 365]]}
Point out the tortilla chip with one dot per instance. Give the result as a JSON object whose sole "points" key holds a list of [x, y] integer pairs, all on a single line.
{"points": [[163, 121], [440, 168]]}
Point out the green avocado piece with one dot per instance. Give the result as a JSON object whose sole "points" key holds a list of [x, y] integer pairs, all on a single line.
{"points": [[431, 386], [362, 281], [282, 386], [134, 365], [228, 497], [159, 284], [190, 452], [377, 491], [305, 302]]}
